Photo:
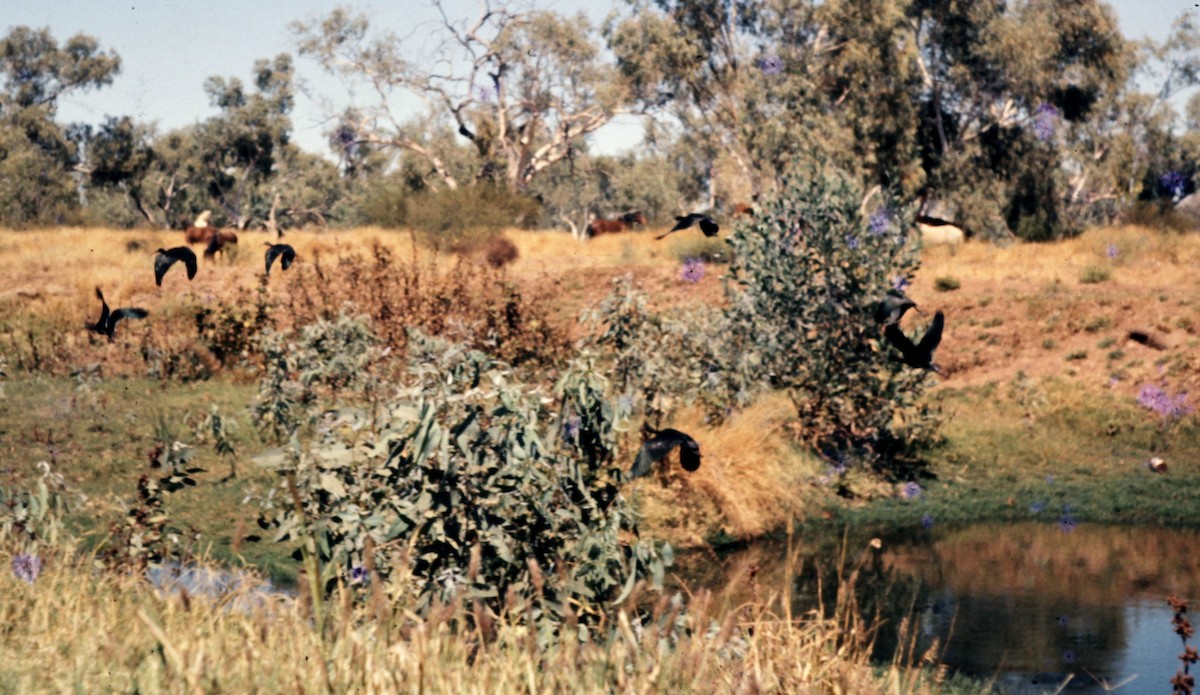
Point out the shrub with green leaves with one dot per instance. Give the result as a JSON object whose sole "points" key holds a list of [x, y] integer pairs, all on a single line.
{"points": [[801, 288], [477, 487], [324, 358], [651, 379]]}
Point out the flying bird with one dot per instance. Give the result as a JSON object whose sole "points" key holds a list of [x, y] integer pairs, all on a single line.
{"points": [[891, 308], [284, 252], [164, 259], [108, 320], [707, 226], [920, 355], [662, 444]]}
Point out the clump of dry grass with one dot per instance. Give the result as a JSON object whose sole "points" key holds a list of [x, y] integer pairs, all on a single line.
{"points": [[747, 462], [75, 629]]}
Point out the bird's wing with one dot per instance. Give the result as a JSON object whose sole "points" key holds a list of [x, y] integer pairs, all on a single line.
{"points": [[125, 313], [162, 263], [289, 255], [933, 336], [682, 223], [103, 322], [653, 450], [271, 254], [189, 260], [896, 337]]}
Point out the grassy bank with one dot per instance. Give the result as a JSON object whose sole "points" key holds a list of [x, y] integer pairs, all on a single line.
{"points": [[73, 629]]}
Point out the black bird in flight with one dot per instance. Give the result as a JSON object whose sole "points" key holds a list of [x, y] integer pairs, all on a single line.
{"points": [[891, 308], [921, 354], [707, 226], [164, 259], [284, 252], [108, 320], [662, 444]]}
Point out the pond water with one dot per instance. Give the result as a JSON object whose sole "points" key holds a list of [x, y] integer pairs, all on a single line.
{"points": [[1026, 604]]}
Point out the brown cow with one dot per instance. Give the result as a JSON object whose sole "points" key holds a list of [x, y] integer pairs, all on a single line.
{"points": [[198, 235], [217, 242], [603, 226]]}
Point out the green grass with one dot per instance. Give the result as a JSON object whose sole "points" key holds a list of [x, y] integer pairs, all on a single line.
{"points": [[996, 461], [1094, 274], [98, 435]]}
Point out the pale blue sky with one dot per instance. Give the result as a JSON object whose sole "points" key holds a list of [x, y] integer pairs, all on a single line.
{"points": [[168, 48]]}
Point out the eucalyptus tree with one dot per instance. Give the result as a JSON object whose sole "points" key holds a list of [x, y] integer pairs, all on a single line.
{"points": [[524, 87], [38, 153], [240, 147]]}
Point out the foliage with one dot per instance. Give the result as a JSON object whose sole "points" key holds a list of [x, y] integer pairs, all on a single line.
{"points": [[37, 153], [474, 485], [1093, 274], [31, 519], [459, 220], [322, 360], [146, 537], [468, 301], [801, 289], [654, 381], [229, 330]]}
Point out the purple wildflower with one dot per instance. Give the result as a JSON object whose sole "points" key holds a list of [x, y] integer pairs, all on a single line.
{"points": [[625, 403], [926, 521], [1174, 182], [693, 270], [484, 93], [571, 426], [852, 242], [1067, 524], [1113, 381], [1049, 480], [911, 491], [358, 575], [772, 64], [1037, 507], [900, 283], [1045, 122], [880, 222], [1112, 251], [1167, 406], [26, 567]]}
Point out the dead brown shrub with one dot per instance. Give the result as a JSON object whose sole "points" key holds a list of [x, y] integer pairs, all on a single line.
{"points": [[471, 302], [500, 252]]}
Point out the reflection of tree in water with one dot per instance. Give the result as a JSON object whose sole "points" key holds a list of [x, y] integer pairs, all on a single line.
{"points": [[1025, 599]]}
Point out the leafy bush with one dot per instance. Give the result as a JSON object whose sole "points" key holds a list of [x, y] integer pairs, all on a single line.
{"points": [[946, 284], [801, 287], [475, 487], [229, 331], [463, 219], [1094, 274], [650, 379], [325, 359]]}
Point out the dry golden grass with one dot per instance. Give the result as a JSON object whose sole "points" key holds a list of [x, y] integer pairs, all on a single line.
{"points": [[746, 464], [77, 630]]}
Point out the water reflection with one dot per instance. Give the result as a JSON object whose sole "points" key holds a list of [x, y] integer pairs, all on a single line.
{"points": [[1027, 603]]}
